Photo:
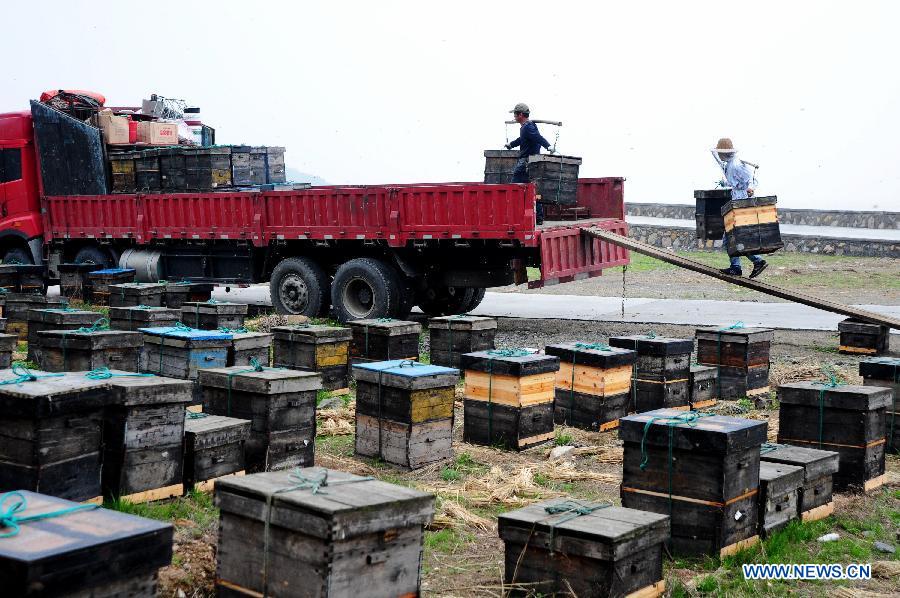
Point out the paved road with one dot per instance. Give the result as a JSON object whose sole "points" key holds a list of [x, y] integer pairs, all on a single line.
{"points": [[836, 232]]}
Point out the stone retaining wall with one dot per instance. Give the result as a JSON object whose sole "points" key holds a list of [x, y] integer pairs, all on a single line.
{"points": [[851, 219]]}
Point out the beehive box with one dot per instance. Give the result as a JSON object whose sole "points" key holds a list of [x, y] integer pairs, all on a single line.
{"points": [[703, 470], [99, 281], [179, 293], [661, 371], [702, 386], [752, 226], [212, 315], [84, 350], [146, 171], [51, 433], [143, 436], [55, 319], [555, 178], [596, 550], [384, 339], [508, 398], [122, 171], [130, 294], [354, 537], [499, 166], [207, 168], [258, 170], [59, 556], [710, 222], [815, 493], [172, 175], [17, 305], [846, 419], [779, 491], [240, 165], [275, 172], [213, 448], [8, 344], [280, 404], [142, 316], [451, 336], [885, 372], [247, 346], [178, 352], [73, 279], [863, 338], [404, 411], [23, 278], [741, 359], [593, 385], [315, 348]]}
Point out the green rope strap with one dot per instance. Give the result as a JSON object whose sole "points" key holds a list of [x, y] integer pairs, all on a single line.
{"points": [[10, 519], [227, 330], [23, 374], [572, 509], [98, 326], [768, 447], [831, 383], [104, 373], [736, 326], [195, 414], [650, 334]]}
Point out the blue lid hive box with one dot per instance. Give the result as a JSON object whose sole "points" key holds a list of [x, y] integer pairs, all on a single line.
{"points": [[99, 281], [815, 493], [661, 370], [180, 352], [885, 372], [593, 385], [142, 316], [179, 293], [752, 226], [213, 448], [384, 339], [60, 318], [452, 336], [315, 348], [701, 469], [281, 405], [88, 349], [863, 338], [320, 533], [212, 315], [741, 358], [508, 398], [404, 411]]}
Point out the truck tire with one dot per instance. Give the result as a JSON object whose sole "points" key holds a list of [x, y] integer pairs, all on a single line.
{"points": [[365, 288], [17, 255], [447, 301], [299, 286], [91, 254], [475, 301]]}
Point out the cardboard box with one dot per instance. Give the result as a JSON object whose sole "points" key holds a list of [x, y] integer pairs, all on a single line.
{"points": [[114, 128], [157, 133]]}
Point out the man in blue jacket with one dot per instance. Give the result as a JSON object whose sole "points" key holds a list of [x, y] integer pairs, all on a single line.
{"points": [[529, 142]]}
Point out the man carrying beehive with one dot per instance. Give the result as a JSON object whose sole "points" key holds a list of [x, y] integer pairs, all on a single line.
{"points": [[739, 178], [529, 142]]}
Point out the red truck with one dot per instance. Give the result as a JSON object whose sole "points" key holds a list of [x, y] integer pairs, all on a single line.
{"points": [[366, 251]]}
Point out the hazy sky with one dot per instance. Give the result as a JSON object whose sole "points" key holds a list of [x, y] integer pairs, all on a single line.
{"points": [[380, 92]]}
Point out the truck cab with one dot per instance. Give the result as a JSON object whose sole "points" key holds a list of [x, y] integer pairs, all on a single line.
{"points": [[21, 228]]}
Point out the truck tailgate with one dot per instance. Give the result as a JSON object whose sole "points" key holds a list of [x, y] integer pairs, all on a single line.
{"points": [[567, 254]]}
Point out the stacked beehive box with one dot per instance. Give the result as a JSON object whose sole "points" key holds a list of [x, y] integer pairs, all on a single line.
{"points": [[508, 398], [8, 343], [384, 339], [51, 432], [702, 386], [779, 495], [179, 293], [499, 166], [280, 404], [130, 294], [63, 318], [752, 226], [180, 352], [555, 178], [404, 411], [142, 316], [146, 170], [566, 547], [23, 278], [452, 336], [710, 223], [143, 436], [99, 281], [815, 494], [213, 448], [73, 279], [122, 171], [322, 349], [700, 469], [247, 347], [885, 372], [863, 338], [337, 534], [90, 348], [207, 168], [240, 165], [661, 370], [741, 358], [212, 315], [593, 385], [60, 552], [17, 305], [846, 419]]}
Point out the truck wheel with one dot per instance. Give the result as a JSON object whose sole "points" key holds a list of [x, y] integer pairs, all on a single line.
{"points": [[447, 301], [92, 254], [365, 288], [477, 298], [17, 255], [299, 286]]}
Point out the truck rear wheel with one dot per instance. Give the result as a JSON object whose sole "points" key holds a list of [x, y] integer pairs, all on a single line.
{"points": [[299, 286], [365, 288], [17, 255], [447, 301], [477, 298], [91, 254]]}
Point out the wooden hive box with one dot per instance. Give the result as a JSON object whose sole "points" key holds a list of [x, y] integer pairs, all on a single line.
{"points": [[752, 226], [702, 386], [885, 372], [384, 339], [99, 281], [354, 536], [63, 318], [142, 316], [83, 551], [710, 223], [247, 346], [73, 279], [499, 166], [8, 344], [17, 305], [847, 419], [180, 352], [555, 178], [863, 338], [207, 168], [593, 385], [2, 321], [451, 336], [146, 171], [240, 165], [143, 437], [122, 171], [86, 349], [172, 176], [179, 293], [275, 172], [51, 433], [280, 404], [702, 470], [212, 315], [213, 448], [404, 411], [315, 348], [741, 359], [130, 294], [815, 493], [23, 278], [566, 547], [779, 492], [508, 398], [258, 171], [661, 370]]}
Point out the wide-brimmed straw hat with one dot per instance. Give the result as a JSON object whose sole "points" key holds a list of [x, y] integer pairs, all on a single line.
{"points": [[725, 146]]}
